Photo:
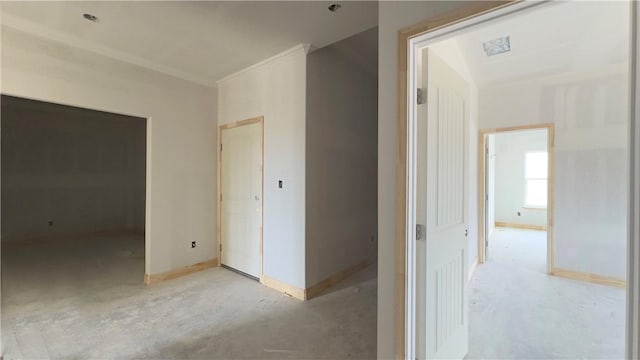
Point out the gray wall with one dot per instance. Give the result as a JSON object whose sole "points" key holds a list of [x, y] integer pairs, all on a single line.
{"points": [[341, 155], [82, 170]]}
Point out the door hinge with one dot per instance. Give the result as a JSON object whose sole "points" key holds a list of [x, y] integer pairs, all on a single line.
{"points": [[486, 150], [421, 96], [486, 197], [421, 232], [220, 197], [221, 147], [220, 247]]}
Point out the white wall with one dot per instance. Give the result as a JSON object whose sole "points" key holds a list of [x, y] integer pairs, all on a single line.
{"points": [[81, 170], [275, 89], [341, 163], [181, 135], [590, 117], [510, 152], [393, 16]]}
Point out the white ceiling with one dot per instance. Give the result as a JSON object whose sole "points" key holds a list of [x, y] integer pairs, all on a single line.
{"points": [[559, 38], [198, 41]]}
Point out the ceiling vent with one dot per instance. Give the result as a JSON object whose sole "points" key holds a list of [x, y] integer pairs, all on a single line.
{"points": [[497, 46]]}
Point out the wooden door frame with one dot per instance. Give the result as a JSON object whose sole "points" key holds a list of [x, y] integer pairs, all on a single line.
{"points": [[471, 12], [221, 128], [482, 220], [405, 35]]}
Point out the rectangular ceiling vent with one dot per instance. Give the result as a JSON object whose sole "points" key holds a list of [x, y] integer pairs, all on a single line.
{"points": [[497, 46]]}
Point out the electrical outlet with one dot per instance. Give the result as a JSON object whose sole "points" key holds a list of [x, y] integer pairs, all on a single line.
{"points": [[193, 244]]}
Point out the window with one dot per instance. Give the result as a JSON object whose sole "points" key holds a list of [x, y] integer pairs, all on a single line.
{"points": [[536, 169]]}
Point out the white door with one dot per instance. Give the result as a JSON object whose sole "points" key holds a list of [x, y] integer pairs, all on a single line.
{"points": [[442, 275], [241, 198]]}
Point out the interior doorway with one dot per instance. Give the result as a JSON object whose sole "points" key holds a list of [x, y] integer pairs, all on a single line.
{"points": [[515, 191], [73, 197], [240, 182], [569, 95]]}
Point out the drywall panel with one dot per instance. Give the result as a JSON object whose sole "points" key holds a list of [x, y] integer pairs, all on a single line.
{"points": [[393, 16], [276, 90], [510, 151], [69, 171], [181, 135], [341, 157], [591, 152]]}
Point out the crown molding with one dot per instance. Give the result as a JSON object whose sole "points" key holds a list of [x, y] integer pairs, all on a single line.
{"points": [[303, 47]]}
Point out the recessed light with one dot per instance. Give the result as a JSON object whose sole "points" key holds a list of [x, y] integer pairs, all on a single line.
{"points": [[334, 7], [90, 17], [497, 46]]}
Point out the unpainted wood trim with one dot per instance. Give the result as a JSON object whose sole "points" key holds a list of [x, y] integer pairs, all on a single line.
{"points": [[482, 139], [520, 226], [589, 277], [282, 287], [251, 121], [318, 288], [404, 35], [186, 270], [551, 196]]}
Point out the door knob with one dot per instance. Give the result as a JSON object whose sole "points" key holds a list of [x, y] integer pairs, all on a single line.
{"points": [[256, 197], [466, 232]]}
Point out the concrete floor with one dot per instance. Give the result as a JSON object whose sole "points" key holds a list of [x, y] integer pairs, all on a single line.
{"points": [[85, 299], [519, 312]]}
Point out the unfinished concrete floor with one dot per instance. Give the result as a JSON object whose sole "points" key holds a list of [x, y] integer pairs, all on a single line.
{"points": [[85, 299], [519, 312]]}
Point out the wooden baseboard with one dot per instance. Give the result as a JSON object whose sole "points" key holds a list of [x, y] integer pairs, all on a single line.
{"points": [[284, 288], [168, 275], [520, 226], [593, 278], [473, 267], [316, 289]]}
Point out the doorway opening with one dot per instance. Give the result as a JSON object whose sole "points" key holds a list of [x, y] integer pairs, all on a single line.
{"points": [[73, 198], [515, 196], [240, 181], [508, 87]]}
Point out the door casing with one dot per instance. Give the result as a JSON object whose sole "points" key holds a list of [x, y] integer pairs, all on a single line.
{"points": [[482, 216]]}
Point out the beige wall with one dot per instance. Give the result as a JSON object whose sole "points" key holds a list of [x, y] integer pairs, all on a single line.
{"points": [[275, 89], [341, 159], [81, 170], [181, 135]]}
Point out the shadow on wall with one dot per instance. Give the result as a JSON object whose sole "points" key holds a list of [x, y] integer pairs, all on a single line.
{"points": [[68, 170]]}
